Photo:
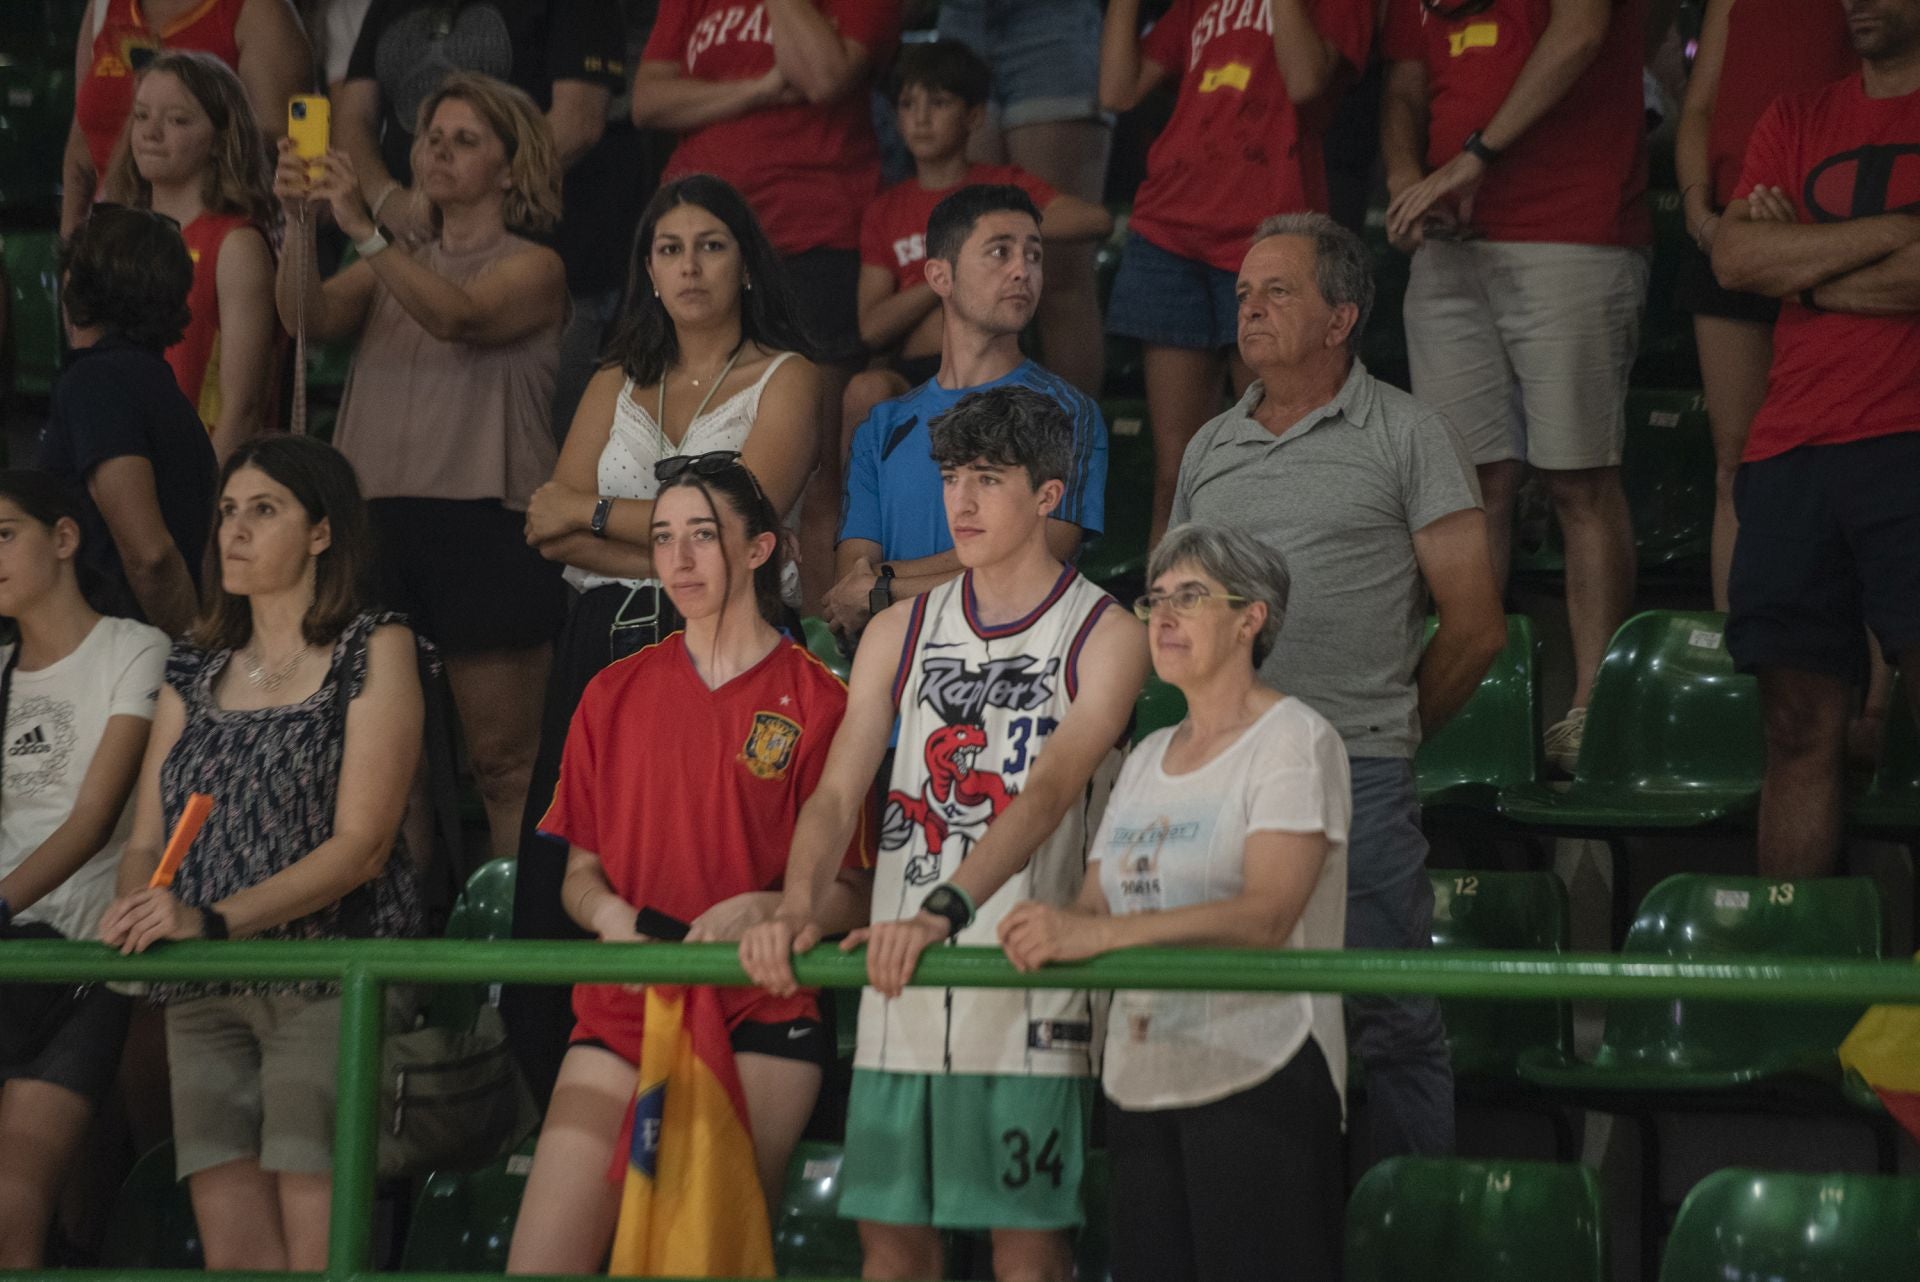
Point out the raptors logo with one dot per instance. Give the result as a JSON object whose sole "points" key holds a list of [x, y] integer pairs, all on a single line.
{"points": [[961, 694], [956, 801]]}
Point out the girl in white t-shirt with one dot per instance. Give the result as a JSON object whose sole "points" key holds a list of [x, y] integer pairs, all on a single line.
{"points": [[76, 698], [1227, 831]]}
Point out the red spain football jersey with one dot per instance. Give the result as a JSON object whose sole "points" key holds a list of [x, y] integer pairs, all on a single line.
{"points": [[689, 796]]}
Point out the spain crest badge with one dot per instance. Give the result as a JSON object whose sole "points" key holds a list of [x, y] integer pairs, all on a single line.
{"points": [[769, 747]]}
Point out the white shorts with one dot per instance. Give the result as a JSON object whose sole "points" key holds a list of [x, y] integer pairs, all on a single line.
{"points": [[1526, 348]]}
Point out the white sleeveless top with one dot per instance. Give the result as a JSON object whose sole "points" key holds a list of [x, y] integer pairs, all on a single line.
{"points": [[976, 705], [636, 443]]}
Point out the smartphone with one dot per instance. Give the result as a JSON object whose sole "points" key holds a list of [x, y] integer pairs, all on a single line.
{"points": [[310, 125]]}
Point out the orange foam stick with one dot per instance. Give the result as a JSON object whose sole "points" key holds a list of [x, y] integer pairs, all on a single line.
{"points": [[199, 806]]}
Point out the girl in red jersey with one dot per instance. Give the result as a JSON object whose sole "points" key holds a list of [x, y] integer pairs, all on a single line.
{"points": [[694, 834], [195, 154]]}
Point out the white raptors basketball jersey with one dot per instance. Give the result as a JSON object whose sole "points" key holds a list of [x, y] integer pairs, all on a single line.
{"points": [[976, 705]]}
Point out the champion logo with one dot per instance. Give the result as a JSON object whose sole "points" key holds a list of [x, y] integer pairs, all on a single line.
{"points": [[31, 744]]}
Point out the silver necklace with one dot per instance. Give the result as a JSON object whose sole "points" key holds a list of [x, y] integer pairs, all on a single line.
{"points": [[259, 677]]}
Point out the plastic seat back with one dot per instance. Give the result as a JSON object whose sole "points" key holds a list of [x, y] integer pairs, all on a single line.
{"points": [[1494, 741], [152, 1224], [1698, 1043], [1668, 476], [1501, 910], [1669, 714], [1892, 800], [824, 646], [33, 314], [809, 1237], [463, 1222], [1159, 706], [1767, 1226], [489, 897], [1457, 1220]]}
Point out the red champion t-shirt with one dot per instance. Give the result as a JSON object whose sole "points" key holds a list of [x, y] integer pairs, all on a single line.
{"points": [[807, 170], [1579, 176], [1236, 149], [689, 797], [1838, 154], [893, 231], [1773, 47]]}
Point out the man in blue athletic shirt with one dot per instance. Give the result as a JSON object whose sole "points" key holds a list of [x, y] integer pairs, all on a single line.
{"points": [[983, 260]]}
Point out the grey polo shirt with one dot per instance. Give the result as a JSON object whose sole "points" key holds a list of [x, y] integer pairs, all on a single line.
{"points": [[1340, 493]]}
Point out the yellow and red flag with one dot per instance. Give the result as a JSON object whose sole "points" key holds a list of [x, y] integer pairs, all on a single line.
{"points": [[1884, 1048], [691, 1204]]}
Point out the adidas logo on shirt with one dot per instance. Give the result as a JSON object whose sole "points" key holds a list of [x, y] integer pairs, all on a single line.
{"points": [[31, 744]]}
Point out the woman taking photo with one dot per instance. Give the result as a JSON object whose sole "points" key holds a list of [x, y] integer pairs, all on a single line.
{"points": [[697, 835], [195, 154], [1228, 830], [707, 357], [77, 692], [298, 710], [446, 416]]}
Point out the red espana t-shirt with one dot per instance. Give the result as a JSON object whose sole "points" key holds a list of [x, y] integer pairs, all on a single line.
{"points": [[807, 170], [893, 231], [1579, 176], [1838, 154], [689, 797], [1236, 149]]}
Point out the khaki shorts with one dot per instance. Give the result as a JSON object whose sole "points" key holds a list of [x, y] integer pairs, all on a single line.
{"points": [[254, 1077], [1526, 348]]}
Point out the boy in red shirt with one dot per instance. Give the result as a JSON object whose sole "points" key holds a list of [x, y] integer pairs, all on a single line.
{"points": [[940, 95], [1826, 496], [1512, 135]]}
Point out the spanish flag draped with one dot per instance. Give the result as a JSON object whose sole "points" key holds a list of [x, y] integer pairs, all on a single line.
{"points": [[1884, 1048], [691, 1204]]}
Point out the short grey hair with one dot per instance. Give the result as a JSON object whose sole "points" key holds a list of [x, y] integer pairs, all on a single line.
{"points": [[1341, 266], [1238, 562]]}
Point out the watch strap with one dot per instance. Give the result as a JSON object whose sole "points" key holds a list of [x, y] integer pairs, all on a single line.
{"points": [[1477, 144], [601, 511], [949, 901], [373, 244]]}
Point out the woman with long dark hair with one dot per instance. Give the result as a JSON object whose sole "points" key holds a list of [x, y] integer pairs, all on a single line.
{"points": [[695, 835], [76, 700], [709, 355], [298, 709]]}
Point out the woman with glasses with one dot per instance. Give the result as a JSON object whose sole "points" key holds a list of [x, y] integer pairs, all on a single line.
{"points": [[448, 409], [1228, 830], [690, 842], [708, 356]]}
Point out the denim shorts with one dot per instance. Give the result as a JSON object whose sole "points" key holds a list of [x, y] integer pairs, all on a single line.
{"points": [[1169, 301], [1045, 56]]}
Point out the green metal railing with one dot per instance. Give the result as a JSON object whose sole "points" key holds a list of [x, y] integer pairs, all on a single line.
{"points": [[364, 968]]}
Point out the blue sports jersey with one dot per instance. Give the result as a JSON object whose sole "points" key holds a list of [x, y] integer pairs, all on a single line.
{"points": [[893, 494]]}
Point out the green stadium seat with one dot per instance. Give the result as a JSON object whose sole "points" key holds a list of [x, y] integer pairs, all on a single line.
{"points": [[1664, 1050], [1456, 1220], [463, 1223], [1766, 1226], [1890, 805], [1668, 356], [825, 646], [35, 107], [1159, 706], [1501, 911], [1494, 742], [809, 1237], [1117, 558], [152, 1225], [489, 897], [33, 309], [1673, 736], [1669, 477]]}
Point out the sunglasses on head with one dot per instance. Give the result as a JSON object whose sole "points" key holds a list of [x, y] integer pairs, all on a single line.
{"points": [[712, 463]]}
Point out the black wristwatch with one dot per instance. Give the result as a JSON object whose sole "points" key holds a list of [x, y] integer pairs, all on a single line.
{"points": [[880, 595], [212, 924], [601, 511], [1477, 144], [949, 901]]}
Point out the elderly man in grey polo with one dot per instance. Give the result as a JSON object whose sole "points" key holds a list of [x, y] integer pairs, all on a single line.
{"points": [[1374, 502]]}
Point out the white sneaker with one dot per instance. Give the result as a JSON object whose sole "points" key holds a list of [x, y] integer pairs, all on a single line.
{"points": [[1562, 743]]}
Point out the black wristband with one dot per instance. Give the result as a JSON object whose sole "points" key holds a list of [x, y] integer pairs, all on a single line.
{"points": [[949, 901], [601, 511], [212, 924], [1477, 144], [880, 595]]}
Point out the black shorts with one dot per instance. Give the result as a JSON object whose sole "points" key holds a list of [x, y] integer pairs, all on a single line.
{"points": [[1827, 543], [826, 295], [806, 1040], [1697, 292], [462, 573], [84, 1056]]}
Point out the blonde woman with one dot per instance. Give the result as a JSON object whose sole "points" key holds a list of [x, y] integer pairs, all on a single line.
{"points": [[447, 409], [195, 153]]}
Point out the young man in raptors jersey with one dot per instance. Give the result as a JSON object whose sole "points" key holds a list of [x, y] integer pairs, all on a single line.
{"points": [[1012, 684]]}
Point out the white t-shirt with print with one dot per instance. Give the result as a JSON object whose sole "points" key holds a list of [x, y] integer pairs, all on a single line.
{"points": [[1171, 841], [56, 717]]}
